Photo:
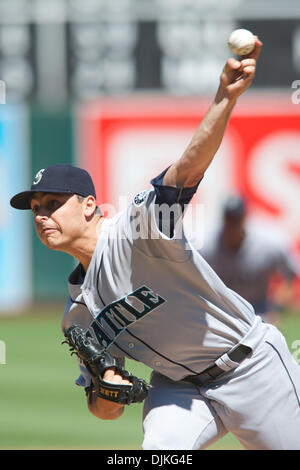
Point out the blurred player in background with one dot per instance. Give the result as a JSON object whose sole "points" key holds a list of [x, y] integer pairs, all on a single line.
{"points": [[246, 259]]}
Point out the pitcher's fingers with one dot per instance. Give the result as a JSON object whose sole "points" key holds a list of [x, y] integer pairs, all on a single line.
{"points": [[246, 62], [248, 70], [232, 65], [109, 375], [257, 50]]}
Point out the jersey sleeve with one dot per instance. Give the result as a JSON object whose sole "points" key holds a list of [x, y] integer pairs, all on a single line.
{"points": [[170, 203], [157, 229], [84, 379]]}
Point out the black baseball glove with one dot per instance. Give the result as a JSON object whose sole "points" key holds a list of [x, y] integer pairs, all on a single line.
{"points": [[97, 360]]}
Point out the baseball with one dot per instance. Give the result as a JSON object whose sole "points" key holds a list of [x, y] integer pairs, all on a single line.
{"points": [[241, 41]]}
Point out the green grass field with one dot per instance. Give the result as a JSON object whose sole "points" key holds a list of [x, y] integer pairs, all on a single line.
{"points": [[40, 408]]}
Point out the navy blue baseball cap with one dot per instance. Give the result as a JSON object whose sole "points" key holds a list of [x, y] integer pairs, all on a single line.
{"points": [[60, 179]]}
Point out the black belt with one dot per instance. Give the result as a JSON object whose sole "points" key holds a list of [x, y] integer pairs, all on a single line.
{"points": [[236, 355]]}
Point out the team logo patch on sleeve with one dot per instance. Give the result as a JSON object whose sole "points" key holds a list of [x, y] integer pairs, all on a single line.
{"points": [[140, 198]]}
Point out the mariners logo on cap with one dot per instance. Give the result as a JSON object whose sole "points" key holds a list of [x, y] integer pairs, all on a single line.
{"points": [[38, 176]]}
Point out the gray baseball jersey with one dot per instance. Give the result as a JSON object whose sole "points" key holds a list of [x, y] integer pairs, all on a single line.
{"points": [[155, 299], [248, 270]]}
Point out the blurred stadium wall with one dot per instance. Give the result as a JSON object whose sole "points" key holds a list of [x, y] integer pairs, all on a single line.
{"points": [[119, 88]]}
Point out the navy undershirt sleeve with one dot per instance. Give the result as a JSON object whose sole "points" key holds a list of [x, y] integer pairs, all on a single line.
{"points": [[170, 195]]}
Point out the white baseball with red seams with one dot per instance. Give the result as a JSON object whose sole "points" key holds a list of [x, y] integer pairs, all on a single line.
{"points": [[241, 41]]}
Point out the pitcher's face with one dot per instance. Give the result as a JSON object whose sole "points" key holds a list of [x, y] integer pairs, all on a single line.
{"points": [[58, 219]]}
